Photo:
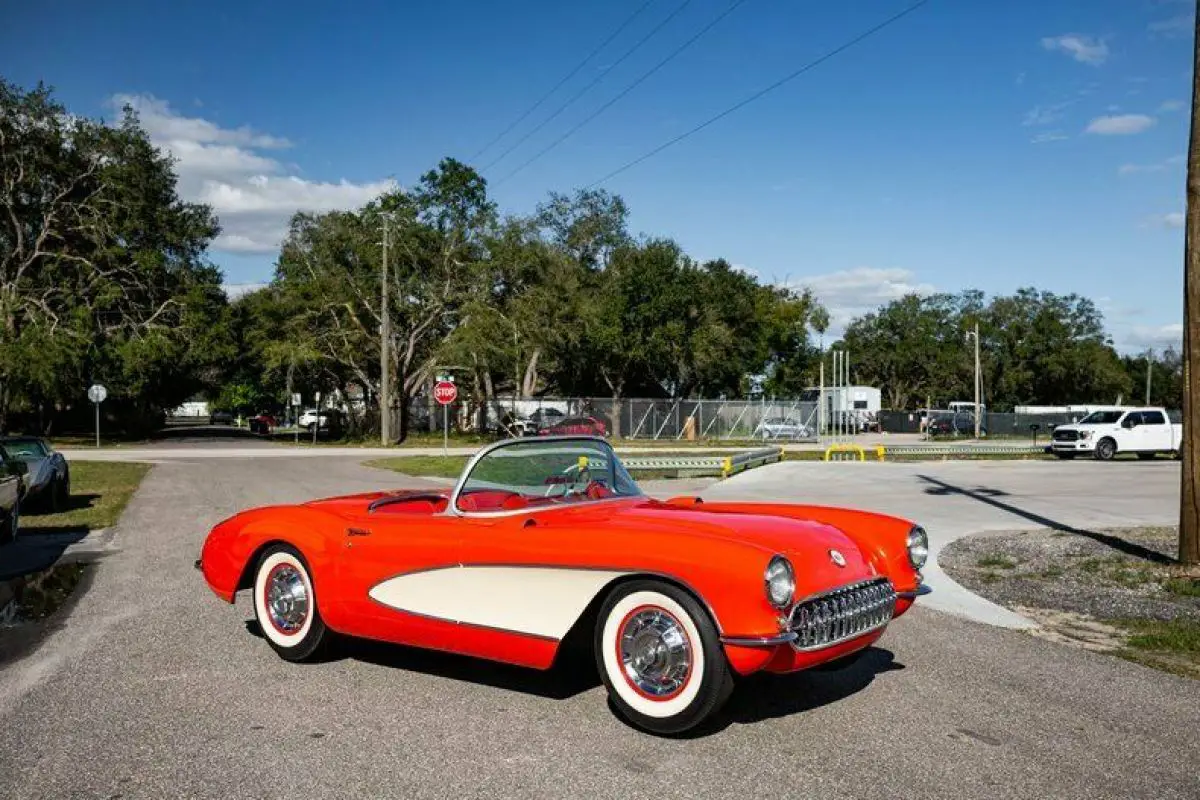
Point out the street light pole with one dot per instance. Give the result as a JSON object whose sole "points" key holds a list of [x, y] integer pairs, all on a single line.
{"points": [[385, 346], [978, 383]]}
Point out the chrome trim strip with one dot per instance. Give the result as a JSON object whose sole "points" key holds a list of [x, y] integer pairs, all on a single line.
{"points": [[837, 635], [760, 641]]}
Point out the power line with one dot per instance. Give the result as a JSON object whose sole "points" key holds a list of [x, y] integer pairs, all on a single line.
{"points": [[585, 89], [626, 90], [568, 77], [810, 65]]}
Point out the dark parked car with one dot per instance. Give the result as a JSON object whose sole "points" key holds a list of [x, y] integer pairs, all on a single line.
{"points": [[12, 488], [220, 418], [46, 473]]}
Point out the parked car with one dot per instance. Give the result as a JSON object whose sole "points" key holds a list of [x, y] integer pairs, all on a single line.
{"points": [[220, 418], [782, 428], [263, 423], [673, 598], [543, 418], [1102, 434], [954, 425], [47, 476], [12, 490], [588, 426]]}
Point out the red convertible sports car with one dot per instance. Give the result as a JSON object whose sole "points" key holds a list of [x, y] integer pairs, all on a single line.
{"points": [[544, 538]]}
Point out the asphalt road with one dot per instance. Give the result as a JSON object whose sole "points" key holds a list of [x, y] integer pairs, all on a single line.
{"points": [[154, 688]]}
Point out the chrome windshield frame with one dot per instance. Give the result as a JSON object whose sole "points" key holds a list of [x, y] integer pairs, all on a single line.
{"points": [[452, 508]]}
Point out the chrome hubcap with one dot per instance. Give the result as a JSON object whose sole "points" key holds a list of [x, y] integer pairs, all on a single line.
{"points": [[655, 653], [287, 598]]}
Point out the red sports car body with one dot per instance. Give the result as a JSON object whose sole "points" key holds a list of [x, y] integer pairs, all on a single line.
{"points": [[544, 537]]}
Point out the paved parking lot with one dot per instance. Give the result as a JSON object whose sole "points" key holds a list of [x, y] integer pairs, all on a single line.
{"points": [[152, 687]]}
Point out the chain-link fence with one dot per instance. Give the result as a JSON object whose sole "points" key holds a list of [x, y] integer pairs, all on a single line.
{"points": [[628, 418]]}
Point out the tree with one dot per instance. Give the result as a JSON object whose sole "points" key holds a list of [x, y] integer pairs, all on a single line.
{"points": [[103, 272]]}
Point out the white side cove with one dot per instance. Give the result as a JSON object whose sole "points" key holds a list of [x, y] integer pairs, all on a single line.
{"points": [[542, 601]]}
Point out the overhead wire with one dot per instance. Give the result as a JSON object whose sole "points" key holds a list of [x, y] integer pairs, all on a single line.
{"points": [[786, 79], [587, 88], [567, 77], [644, 76]]}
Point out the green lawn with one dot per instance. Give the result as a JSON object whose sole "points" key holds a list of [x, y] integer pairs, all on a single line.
{"points": [[99, 493]]}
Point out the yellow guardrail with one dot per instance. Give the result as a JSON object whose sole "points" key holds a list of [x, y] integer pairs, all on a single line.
{"points": [[851, 449]]}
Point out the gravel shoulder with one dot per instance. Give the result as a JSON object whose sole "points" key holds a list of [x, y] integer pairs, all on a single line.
{"points": [[1113, 590]]}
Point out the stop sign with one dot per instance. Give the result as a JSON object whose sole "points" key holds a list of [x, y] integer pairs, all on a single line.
{"points": [[445, 392]]}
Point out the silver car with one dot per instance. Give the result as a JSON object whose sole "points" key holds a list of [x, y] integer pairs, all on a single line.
{"points": [[783, 428], [47, 477]]}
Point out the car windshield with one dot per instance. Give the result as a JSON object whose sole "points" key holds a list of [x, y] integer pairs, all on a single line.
{"points": [[529, 474], [25, 448], [1101, 418]]}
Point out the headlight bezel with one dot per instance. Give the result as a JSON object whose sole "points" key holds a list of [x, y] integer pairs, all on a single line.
{"points": [[917, 546], [788, 575]]}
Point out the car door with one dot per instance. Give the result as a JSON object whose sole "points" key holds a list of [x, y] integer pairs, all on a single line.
{"points": [[392, 568], [1154, 432]]}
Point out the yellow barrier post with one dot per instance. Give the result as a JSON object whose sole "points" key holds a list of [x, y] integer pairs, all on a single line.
{"points": [[727, 467]]}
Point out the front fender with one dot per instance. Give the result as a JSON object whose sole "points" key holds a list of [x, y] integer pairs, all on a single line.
{"points": [[232, 544]]}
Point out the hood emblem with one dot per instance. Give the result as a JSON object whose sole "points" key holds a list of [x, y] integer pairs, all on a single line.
{"points": [[837, 558]]}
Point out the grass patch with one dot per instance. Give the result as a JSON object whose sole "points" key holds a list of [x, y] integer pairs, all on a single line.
{"points": [[1178, 636], [1185, 587], [1052, 571], [995, 560], [100, 491], [423, 466]]}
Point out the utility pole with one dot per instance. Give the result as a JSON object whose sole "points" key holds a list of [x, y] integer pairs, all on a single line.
{"points": [[385, 344], [1189, 496], [974, 333], [1149, 372]]}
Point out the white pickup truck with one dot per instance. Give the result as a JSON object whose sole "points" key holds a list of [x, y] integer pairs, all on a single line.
{"points": [[1102, 434]]}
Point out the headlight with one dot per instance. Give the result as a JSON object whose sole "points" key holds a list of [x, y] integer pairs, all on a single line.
{"points": [[1085, 434], [918, 547], [780, 582]]}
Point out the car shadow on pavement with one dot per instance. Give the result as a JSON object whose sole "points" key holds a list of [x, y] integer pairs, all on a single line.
{"points": [[572, 674], [988, 497], [75, 502], [765, 696], [38, 549]]}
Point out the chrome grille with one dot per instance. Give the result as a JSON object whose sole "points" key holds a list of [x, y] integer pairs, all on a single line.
{"points": [[843, 614]]}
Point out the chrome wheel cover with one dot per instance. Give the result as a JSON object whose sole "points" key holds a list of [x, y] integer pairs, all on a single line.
{"points": [[286, 596], [655, 653]]}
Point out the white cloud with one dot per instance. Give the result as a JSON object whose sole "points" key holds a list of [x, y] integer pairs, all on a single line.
{"points": [[1170, 105], [1174, 26], [251, 193], [1157, 166], [1120, 125], [1044, 115], [1140, 337], [851, 293], [1049, 136], [1084, 49], [235, 290], [1172, 220]]}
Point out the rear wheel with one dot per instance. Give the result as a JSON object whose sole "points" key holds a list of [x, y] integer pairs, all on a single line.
{"points": [[659, 656], [11, 525], [1106, 449], [286, 606]]}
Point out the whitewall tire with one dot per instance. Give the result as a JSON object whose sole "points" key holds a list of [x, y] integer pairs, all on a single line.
{"points": [[285, 604], [659, 656]]}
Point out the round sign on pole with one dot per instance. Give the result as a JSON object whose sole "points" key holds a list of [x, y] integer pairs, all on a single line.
{"points": [[97, 393], [445, 392]]}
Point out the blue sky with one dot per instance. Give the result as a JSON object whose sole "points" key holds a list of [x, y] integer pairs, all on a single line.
{"points": [[971, 145]]}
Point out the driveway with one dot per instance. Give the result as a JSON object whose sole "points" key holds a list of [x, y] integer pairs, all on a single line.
{"points": [[152, 688], [956, 498]]}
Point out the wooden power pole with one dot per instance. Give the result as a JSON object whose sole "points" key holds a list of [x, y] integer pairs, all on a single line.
{"points": [[1189, 496]]}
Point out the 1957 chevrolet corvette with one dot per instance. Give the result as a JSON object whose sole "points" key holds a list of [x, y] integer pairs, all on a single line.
{"points": [[541, 539]]}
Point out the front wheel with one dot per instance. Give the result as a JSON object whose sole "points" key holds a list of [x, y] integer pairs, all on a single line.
{"points": [[659, 656], [286, 606], [1106, 449], [11, 525]]}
